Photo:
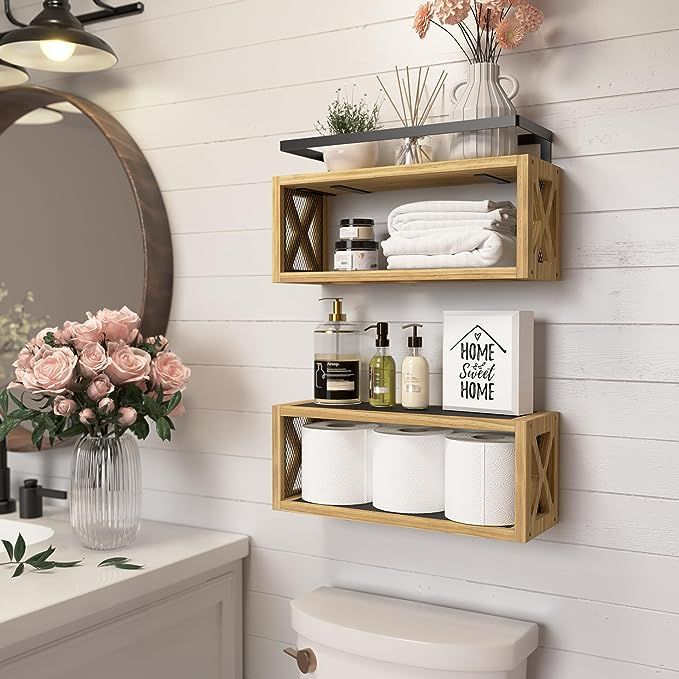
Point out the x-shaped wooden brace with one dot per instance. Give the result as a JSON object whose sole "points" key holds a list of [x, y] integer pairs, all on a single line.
{"points": [[542, 209], [544, 492], [293, 445], [300, 225]]}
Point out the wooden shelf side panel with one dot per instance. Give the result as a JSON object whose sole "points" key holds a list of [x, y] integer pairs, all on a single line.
{"points": [[536, 470]]}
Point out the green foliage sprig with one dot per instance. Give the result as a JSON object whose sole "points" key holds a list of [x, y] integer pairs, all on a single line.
{"points": [[38, 562], [345, 115], [120, 562]]}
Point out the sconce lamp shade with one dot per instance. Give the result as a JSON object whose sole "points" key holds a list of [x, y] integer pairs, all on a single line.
{"points": [[56, 41], [11, 75]]}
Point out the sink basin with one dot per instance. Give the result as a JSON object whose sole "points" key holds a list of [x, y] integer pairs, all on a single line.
{"points": [[37, 537]]}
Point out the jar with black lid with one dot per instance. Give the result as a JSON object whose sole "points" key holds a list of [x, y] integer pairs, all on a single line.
{"points": [[356, 255]]}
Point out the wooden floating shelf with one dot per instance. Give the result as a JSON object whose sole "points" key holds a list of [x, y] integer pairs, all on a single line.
{"points": [[300, 218], [536, 468]]}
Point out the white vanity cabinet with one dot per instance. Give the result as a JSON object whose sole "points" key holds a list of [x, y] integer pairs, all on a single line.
{"points": [[179, 617]]}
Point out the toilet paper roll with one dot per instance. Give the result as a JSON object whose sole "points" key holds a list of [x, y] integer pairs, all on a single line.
{"points": [[336, 463], [408, 469], [480, 483]]}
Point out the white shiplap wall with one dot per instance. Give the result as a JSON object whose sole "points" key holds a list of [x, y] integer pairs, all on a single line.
{"points": [[208, 87]]}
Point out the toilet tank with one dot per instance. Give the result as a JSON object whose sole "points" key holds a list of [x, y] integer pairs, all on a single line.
{"points": [[364, 636]]}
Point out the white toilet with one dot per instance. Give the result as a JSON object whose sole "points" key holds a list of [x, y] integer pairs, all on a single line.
{"points": [[343, 634]]}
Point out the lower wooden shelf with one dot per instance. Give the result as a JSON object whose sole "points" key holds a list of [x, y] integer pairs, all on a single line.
{"points": [[536, 468]]}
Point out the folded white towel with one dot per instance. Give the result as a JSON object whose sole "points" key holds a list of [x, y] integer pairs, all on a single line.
{"points": [[416, 229], [441, 242], [493, 249], [450, 210]]}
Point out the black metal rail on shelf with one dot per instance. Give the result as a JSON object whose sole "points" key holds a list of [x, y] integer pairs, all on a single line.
{"points": [[529, 133]]}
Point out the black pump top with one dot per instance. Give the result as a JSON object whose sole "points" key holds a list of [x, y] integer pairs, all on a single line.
{"points": [[382, 339], [414, 342]]}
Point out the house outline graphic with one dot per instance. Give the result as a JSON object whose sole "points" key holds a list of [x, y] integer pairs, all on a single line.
{"points": [[478, 327]]}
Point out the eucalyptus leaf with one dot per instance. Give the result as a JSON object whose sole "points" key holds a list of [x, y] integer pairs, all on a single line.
{"points": [[19, 548], [67, 564], [128, 566], [42, 556], [18, 570], [9, 548], [45, 566], [113, 561]]}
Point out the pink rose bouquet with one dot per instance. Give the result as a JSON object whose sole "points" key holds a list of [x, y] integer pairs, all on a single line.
{"points": [[98, 377]]}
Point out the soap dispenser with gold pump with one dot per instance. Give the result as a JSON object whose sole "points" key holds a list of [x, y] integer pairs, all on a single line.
{"points": [[337, 359]]}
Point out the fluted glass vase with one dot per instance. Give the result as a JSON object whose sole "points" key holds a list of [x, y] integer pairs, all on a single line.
{"points": [[106, 491]]}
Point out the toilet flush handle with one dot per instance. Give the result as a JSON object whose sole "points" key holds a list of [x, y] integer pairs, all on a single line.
{"points": [[306, 659]]}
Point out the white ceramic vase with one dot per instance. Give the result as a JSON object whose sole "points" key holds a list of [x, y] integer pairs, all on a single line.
{"points": [[481, 95], [351, 156]]}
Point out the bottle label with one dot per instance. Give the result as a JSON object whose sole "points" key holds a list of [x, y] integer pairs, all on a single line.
{"points": [[336, 380]]}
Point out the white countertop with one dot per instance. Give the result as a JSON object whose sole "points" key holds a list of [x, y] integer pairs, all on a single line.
{"points": [[36, 602]]}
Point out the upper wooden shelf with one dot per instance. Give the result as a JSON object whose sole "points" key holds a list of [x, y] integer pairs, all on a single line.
{"points": [[300, 218]]}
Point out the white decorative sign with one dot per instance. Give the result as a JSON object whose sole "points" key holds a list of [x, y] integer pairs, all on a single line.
{"points": [[488, 361]]}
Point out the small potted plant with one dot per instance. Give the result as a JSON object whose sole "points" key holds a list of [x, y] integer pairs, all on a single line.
{"points": [[347, 116], [103, 381]]}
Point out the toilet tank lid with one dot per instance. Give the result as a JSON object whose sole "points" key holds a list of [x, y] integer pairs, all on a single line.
{"points": [[411, 633]]}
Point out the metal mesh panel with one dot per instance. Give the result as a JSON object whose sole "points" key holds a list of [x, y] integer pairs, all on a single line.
{"points": [[303, 214], [292, 432]]}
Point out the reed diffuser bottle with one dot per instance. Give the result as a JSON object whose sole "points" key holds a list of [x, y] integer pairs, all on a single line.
{"points": [[382, 372]]}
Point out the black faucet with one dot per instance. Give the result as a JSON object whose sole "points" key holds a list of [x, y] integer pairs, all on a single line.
{"points": [[7, 504], [30, 498]]}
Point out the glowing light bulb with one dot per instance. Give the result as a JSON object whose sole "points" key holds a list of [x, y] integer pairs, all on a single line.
{"points": [[57, 50]]}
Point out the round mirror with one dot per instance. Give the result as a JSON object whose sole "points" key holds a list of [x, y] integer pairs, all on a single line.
{"points": [[84, 222]]}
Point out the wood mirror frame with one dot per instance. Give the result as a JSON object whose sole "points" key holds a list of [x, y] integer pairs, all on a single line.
{"points": [[16, 102]]}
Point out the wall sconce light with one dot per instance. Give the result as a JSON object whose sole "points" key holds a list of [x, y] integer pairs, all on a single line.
{"points": [[56, 40]]}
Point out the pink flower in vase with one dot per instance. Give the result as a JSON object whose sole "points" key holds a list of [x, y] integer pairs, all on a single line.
{"points": [[127, 364], [80, 334], [93, 359], [510, 33], [64, 407], [119, 324], [99, 387], [87, 416], [127, 416], [106, 406], [452, 11], [423, 18], [52, 371], [530, 16], [168, 372]]}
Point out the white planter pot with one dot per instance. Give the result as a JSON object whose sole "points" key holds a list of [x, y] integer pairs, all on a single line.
{"points": [[482, 96], [351, 156]]}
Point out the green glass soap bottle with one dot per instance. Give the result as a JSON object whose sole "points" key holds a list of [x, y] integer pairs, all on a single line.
{"points": [[382, 374]]}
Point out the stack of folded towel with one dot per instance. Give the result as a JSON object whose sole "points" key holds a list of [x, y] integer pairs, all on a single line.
{"points": [[451, 234]]}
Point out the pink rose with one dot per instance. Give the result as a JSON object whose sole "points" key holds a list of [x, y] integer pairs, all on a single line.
{"points": [[158, 341], [127, 416], [82, 333], [106, 406], [168, 372], [127, 364], [93, 359], [39, 340], [52, 372], [87, 416], [99, 387], [65, 407], [119, 325], [178, 411], [24, 359]]}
